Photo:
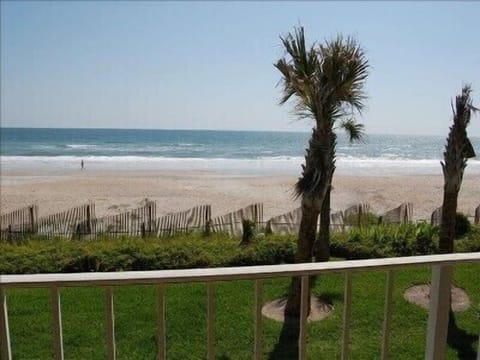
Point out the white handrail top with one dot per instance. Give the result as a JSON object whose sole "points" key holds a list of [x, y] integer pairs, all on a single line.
{"points": [[228, 273]]}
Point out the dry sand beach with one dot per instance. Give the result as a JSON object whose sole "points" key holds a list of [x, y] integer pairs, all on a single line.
{"points": [[115, 191]]}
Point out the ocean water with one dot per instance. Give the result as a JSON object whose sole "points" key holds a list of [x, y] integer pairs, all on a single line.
{"points": [[227, 151]]}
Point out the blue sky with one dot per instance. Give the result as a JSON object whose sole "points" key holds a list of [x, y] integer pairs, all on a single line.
{"points": [[182, 65]]}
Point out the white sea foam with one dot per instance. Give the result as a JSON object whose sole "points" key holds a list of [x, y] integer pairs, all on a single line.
{"points": [[261, 165], [81, 146]]}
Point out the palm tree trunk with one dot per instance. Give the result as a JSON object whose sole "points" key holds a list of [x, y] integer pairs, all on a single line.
{"points": [[447, 227], [306, 239], [317, 163], [322, 245]]}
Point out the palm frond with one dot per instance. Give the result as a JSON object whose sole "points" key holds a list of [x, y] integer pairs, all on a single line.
{"points": [[326, 80], [464, 106], [354, 130], [298, 73], [462, 114], [345, 67], [458, 147]]}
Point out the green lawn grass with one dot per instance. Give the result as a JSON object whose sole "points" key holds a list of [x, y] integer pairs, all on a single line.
{"points": [[135, 319]]}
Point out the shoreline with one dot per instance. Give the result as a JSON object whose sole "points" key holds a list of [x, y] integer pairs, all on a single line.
{"points": [[115, 191], [282, 165]]}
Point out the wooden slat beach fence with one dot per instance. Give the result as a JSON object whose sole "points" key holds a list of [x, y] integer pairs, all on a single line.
{"points": [[337, 221], [355, 213], [436, 218], [19, 222], [400, 215], [75, 222], [288, 223], [136, 222], [231, 223], [197, 218]]}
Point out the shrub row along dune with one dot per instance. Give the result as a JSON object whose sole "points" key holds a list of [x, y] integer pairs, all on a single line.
{"points": [[194, 251]]}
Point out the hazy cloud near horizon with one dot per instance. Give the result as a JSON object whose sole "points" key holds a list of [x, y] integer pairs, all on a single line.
{"points": [[210, 65]]}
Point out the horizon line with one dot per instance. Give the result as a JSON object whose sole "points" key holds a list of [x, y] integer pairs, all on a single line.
{"points": [[212, 130]]}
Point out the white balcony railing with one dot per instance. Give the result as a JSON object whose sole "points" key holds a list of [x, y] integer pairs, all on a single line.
{"points": [[441, 265]]}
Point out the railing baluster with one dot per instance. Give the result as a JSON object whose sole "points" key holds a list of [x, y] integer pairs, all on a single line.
{"points": [[387, 314], [162, 349], [304, 301], [438, 312], [258, 319], [57, 323], [346, 315], [4, 331], [110, 323], [478, 350], [210, 321]]}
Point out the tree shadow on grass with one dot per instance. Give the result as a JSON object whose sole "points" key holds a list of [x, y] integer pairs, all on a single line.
{"points": [[330, 297], [460, 340], [287, 345]]}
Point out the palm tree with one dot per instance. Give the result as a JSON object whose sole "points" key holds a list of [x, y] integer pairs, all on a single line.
{"points": [[327, 83], [457, 151]]}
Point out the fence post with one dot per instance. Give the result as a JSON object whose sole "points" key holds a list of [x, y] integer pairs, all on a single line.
{"points": [[208, 228], [438, 314], [208, 220], [150, 218], [268, 227], [359, 215], [33, 220], [9, 233], [89, 220]]}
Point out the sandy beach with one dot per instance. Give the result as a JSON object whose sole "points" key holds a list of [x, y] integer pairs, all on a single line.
{"points": [[115, 191]]}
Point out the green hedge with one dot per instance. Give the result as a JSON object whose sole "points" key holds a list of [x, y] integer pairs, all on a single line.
{"points": [[195, 251], [385, 241], [381, 241], [122, 254]]}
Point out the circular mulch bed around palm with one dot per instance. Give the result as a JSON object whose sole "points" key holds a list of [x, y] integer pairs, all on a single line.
{"points": [[420, 295], [319, 309]]}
